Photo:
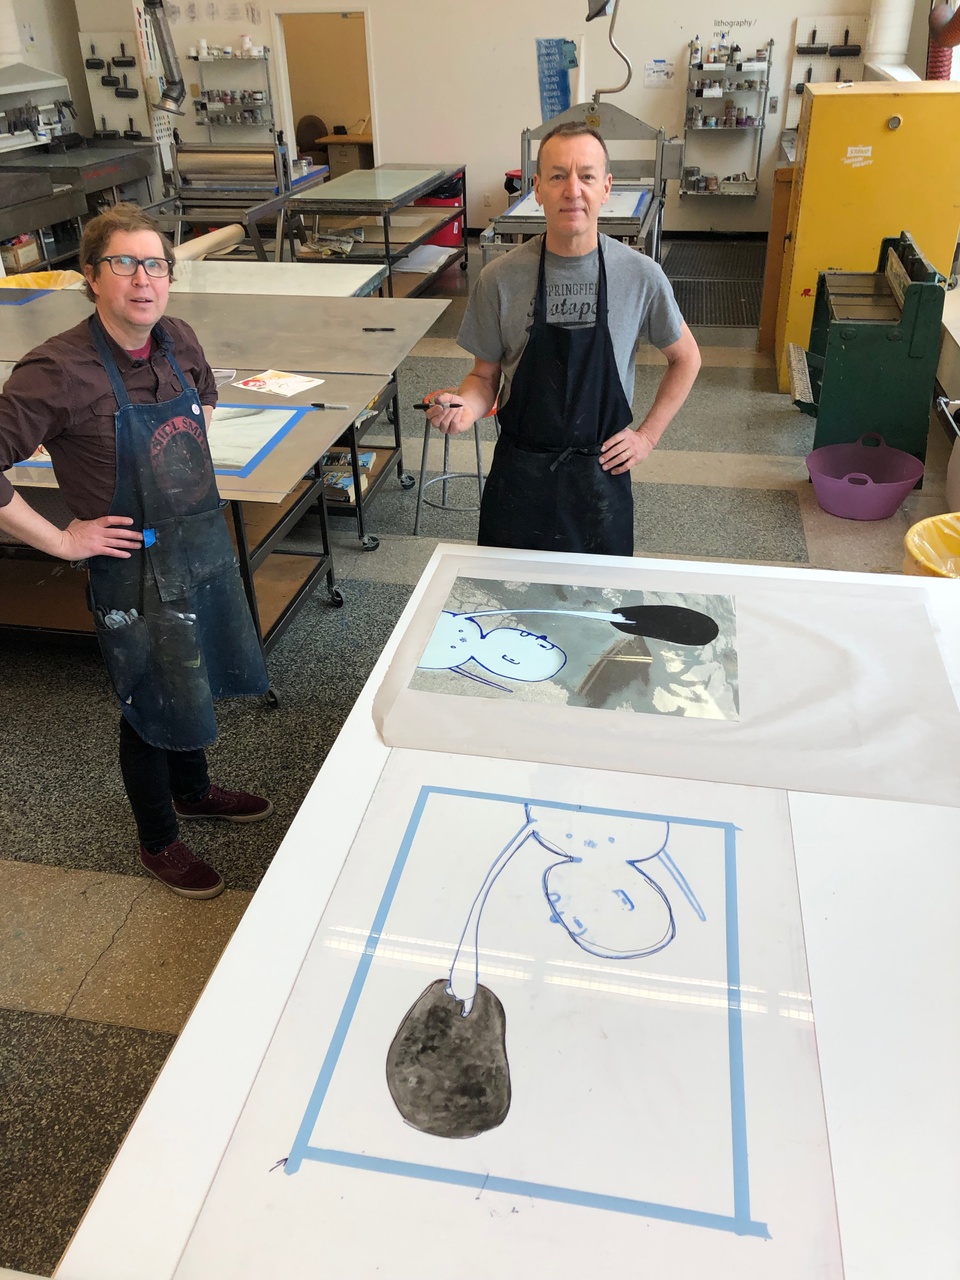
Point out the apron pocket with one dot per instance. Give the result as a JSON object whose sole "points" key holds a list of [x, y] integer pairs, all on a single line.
{"points": [[126, 653], [188, 551]]}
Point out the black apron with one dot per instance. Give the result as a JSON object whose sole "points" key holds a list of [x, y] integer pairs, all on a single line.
{"points": [[546, 490], [192, 638]]}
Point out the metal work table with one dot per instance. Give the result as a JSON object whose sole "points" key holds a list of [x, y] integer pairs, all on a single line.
{"points": [[373, 199], [288, 482], [279, 279], [238, 331], [101, 167]]}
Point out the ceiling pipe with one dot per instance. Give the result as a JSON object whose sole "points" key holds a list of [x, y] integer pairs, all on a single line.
{"points": [[944, 36]]}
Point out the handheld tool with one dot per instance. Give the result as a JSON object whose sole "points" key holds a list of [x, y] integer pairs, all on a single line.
{"points": [[132, 134], [799, 88], [104, 132], [108, 79], [845, 50], [93, 63], [125, 60], [812, 48], [126, 91]]}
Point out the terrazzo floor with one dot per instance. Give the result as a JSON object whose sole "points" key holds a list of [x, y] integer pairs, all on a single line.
{"points": [[99, 965]]}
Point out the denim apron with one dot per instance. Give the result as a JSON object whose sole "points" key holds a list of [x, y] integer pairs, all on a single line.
{"points": [[192, 638], [546, 490]]}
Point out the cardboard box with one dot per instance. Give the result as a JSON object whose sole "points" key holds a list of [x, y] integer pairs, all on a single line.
{"points": [[20, 257]]}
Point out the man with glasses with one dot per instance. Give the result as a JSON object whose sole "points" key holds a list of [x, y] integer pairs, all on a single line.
{"points": [[122, 402]]}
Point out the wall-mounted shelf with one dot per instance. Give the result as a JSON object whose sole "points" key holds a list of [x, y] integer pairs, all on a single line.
{"points": [[228, 95], [733, 95]]}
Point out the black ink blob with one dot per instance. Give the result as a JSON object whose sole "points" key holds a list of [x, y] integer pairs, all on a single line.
{"points": [[667, 622], [448, 1075]]}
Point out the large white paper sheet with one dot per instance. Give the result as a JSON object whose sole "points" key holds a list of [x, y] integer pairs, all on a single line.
{"points": [[665, 1100], [841, 688]]}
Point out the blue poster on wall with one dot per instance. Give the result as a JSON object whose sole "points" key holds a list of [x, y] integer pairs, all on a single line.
{"points": [[555, 60]]}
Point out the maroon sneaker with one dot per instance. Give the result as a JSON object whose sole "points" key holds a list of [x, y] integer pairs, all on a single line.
{"points": [[180, 870], [234, 806]]}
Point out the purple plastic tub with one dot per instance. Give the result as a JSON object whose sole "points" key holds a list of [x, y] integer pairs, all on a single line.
{"points": [[862, 481]]}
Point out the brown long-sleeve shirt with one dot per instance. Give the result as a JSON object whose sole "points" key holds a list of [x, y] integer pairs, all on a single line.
{"points": [[59, 395]]}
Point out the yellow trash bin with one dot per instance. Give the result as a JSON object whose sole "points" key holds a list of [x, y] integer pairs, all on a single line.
{"points": [[41, 280], [932, 547]]}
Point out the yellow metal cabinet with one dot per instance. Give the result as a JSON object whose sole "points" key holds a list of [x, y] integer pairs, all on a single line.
{"points": [[872, 160]]}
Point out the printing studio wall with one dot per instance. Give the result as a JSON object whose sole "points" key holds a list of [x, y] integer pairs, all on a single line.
{"points": [[452, 81]]}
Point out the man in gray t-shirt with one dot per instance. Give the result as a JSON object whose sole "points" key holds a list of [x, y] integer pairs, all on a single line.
{"points": [[553, 326], [641, 306]]}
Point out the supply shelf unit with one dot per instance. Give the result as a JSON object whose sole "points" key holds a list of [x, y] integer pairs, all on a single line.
{"points": [[228, 106], [731, 93], [383, 204]]}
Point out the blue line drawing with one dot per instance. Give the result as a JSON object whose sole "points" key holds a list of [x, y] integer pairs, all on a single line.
{"points": [[505, 651], [515, 654], [568, 832], [584, 893]]}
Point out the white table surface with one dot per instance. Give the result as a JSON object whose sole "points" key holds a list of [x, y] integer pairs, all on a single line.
{"points": [[880, 896]]}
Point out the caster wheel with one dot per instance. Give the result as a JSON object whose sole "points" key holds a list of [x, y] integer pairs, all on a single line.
{"points": [[271, 699], [463, 264], [407, 481], [369, 543], [336, 598]]}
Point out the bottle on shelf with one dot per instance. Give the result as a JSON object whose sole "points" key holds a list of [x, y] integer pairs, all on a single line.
{"points": [[724, 50], [696, 50]]}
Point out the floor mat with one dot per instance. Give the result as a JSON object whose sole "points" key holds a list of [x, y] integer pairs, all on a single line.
{"points": [[715, 259], [734, 303], [717, 282]]}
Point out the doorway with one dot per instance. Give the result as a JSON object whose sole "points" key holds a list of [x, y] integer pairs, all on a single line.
{"points": [[326, 55]]}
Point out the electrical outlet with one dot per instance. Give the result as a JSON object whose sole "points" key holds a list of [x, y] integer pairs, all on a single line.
{"points": [[487, 201], [774, 103]]}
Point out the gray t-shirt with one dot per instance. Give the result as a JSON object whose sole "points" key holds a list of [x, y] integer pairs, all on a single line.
{"points": [[640, 304]]}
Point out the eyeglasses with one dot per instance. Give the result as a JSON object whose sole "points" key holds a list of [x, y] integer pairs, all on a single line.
{"points": [[123, 264]]}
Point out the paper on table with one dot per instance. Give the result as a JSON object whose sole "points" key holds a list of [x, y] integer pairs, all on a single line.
{"points": [[273, 382]]}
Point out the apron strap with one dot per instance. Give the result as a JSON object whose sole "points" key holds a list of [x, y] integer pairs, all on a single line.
{"points": [[99, 336], [540, 298], [164, 342]]}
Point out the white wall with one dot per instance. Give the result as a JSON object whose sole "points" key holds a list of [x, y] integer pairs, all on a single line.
{"points": [[53, 25], [454, 81]]}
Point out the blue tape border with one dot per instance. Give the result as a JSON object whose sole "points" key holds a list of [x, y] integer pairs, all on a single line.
{"points": [[31, 296], [739, 1222], [296, 413]]}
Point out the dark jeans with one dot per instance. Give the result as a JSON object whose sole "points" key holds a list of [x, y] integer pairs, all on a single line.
{"points": [[152, 777]]}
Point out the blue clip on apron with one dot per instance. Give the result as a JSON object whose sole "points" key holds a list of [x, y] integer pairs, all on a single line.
{"points": [[546, 490], [193, 638]]}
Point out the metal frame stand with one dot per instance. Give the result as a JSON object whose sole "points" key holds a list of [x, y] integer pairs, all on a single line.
{"points": [[445, 476]]}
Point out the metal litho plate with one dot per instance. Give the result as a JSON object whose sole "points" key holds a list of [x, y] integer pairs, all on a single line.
{"points": [[248, 331], [550, 643]]}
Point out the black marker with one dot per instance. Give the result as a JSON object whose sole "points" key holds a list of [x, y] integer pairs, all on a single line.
{"points": [[386, 330], [319, 405], [435, 404]]}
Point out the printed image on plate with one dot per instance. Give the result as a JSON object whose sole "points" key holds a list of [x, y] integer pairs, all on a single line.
{"points": [[649, 651]]}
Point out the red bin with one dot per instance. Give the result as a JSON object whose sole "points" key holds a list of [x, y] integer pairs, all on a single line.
{"points": [[452, 234]]}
